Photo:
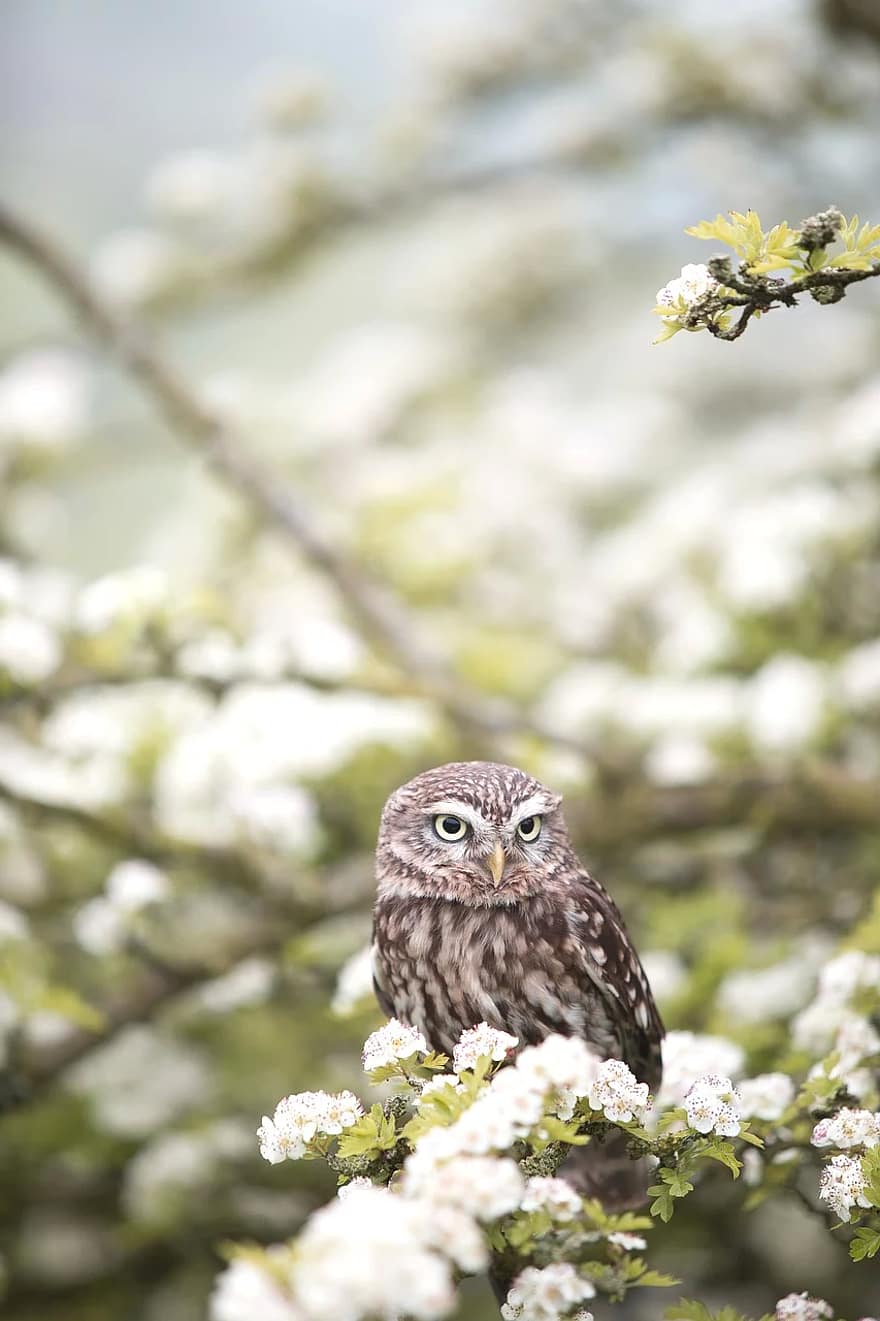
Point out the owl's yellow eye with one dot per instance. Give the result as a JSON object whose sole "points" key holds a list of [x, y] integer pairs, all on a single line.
{"points": [[450, 828], [529, 829]]}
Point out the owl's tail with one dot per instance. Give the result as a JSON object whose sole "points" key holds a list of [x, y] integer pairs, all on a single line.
{"points": [[605, 1170]]}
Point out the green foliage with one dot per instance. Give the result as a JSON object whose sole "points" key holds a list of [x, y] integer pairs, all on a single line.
{"points": [[865, 1244], [373, 1132], [760, 252], [670, 1185], [687, 1309]]}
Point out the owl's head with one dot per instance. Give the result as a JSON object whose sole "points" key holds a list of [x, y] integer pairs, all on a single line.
{"points": [[472, 831]]}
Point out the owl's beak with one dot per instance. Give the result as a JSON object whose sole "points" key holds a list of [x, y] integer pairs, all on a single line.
{"points": [[496, 861]]}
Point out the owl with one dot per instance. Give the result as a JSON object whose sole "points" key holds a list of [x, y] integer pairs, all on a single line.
{"points": [[484, 913]]}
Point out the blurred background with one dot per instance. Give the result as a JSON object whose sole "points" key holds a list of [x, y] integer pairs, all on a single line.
{"points": [[408, 255]]}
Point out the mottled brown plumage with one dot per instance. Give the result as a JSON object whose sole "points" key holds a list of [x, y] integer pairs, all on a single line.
{"points": [[534, 948]]}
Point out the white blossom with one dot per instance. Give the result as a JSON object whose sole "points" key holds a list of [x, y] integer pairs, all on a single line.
{"points": [[299, 1118], [842, 1185], [29, 649], [554, 1196], [128, 597], [141, 1079], [395, 1041], [44, 400], [544, 1295], [665, 972], [785, 703], [712, 1105], [629, 1242], [99, 927], [686, 289], [848, 1128], [558, 1063], [616, 1092], [354, 982], [800, 1307], [478, 1041], [370, 1254], [486, 1187], [858, 676], [249, 982], [134, 884], [245, 1291], [767, 1096], [850, 972], [359, 1181], [688, 1056], [136, 266], [13, 923]]}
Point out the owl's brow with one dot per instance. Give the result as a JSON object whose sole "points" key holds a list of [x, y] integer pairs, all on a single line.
{"points": [[457, 808], [536, 805]]}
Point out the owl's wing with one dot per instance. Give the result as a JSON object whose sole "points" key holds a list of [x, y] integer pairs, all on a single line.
{"points": [[608, 959]]}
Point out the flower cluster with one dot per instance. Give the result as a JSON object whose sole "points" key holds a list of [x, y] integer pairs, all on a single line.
{"points": [[482, 1040], [616, 1092], [767, 1096], [842, 1185], [554, 1196], [836, 1020], [102, 924], [300, 1118], [848, 1128], [713, 1105], [800, 1307], [678, 298], [545, 1295], [395, 1041]]}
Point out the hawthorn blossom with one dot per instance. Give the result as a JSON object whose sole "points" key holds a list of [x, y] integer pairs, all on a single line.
{"points": [[559, 1063], [616, 1092], [395, 1041], [29, 650], [767, 1096], [629, 1242], [300, 1118], [842, 1185], [135, 883], [371, 1254], [681, 295], [689, 1056], [484, 1186], [849, 972], [246, 1290], [800, 1307], [439, 1083], [848, 1128], [481, 1040], [359, 1181], [555, 1196], [713, 1106], [544, 1295]]}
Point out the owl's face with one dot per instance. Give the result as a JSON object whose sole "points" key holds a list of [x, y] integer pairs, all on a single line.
{"points": [[476, 832]]}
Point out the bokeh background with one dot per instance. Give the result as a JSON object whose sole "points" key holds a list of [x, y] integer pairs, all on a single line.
{"points": [[408, 255]]}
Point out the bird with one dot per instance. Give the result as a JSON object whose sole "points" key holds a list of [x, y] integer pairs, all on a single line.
{"points": [[485, 913]]}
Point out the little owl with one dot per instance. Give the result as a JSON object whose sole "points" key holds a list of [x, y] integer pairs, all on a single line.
{"points": [[485, 913]]}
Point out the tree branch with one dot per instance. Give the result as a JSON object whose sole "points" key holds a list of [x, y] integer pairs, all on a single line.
{"points": [[381, 615]]}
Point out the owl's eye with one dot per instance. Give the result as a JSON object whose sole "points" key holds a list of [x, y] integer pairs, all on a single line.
{"points": [[529, 829], [449, 827]]}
